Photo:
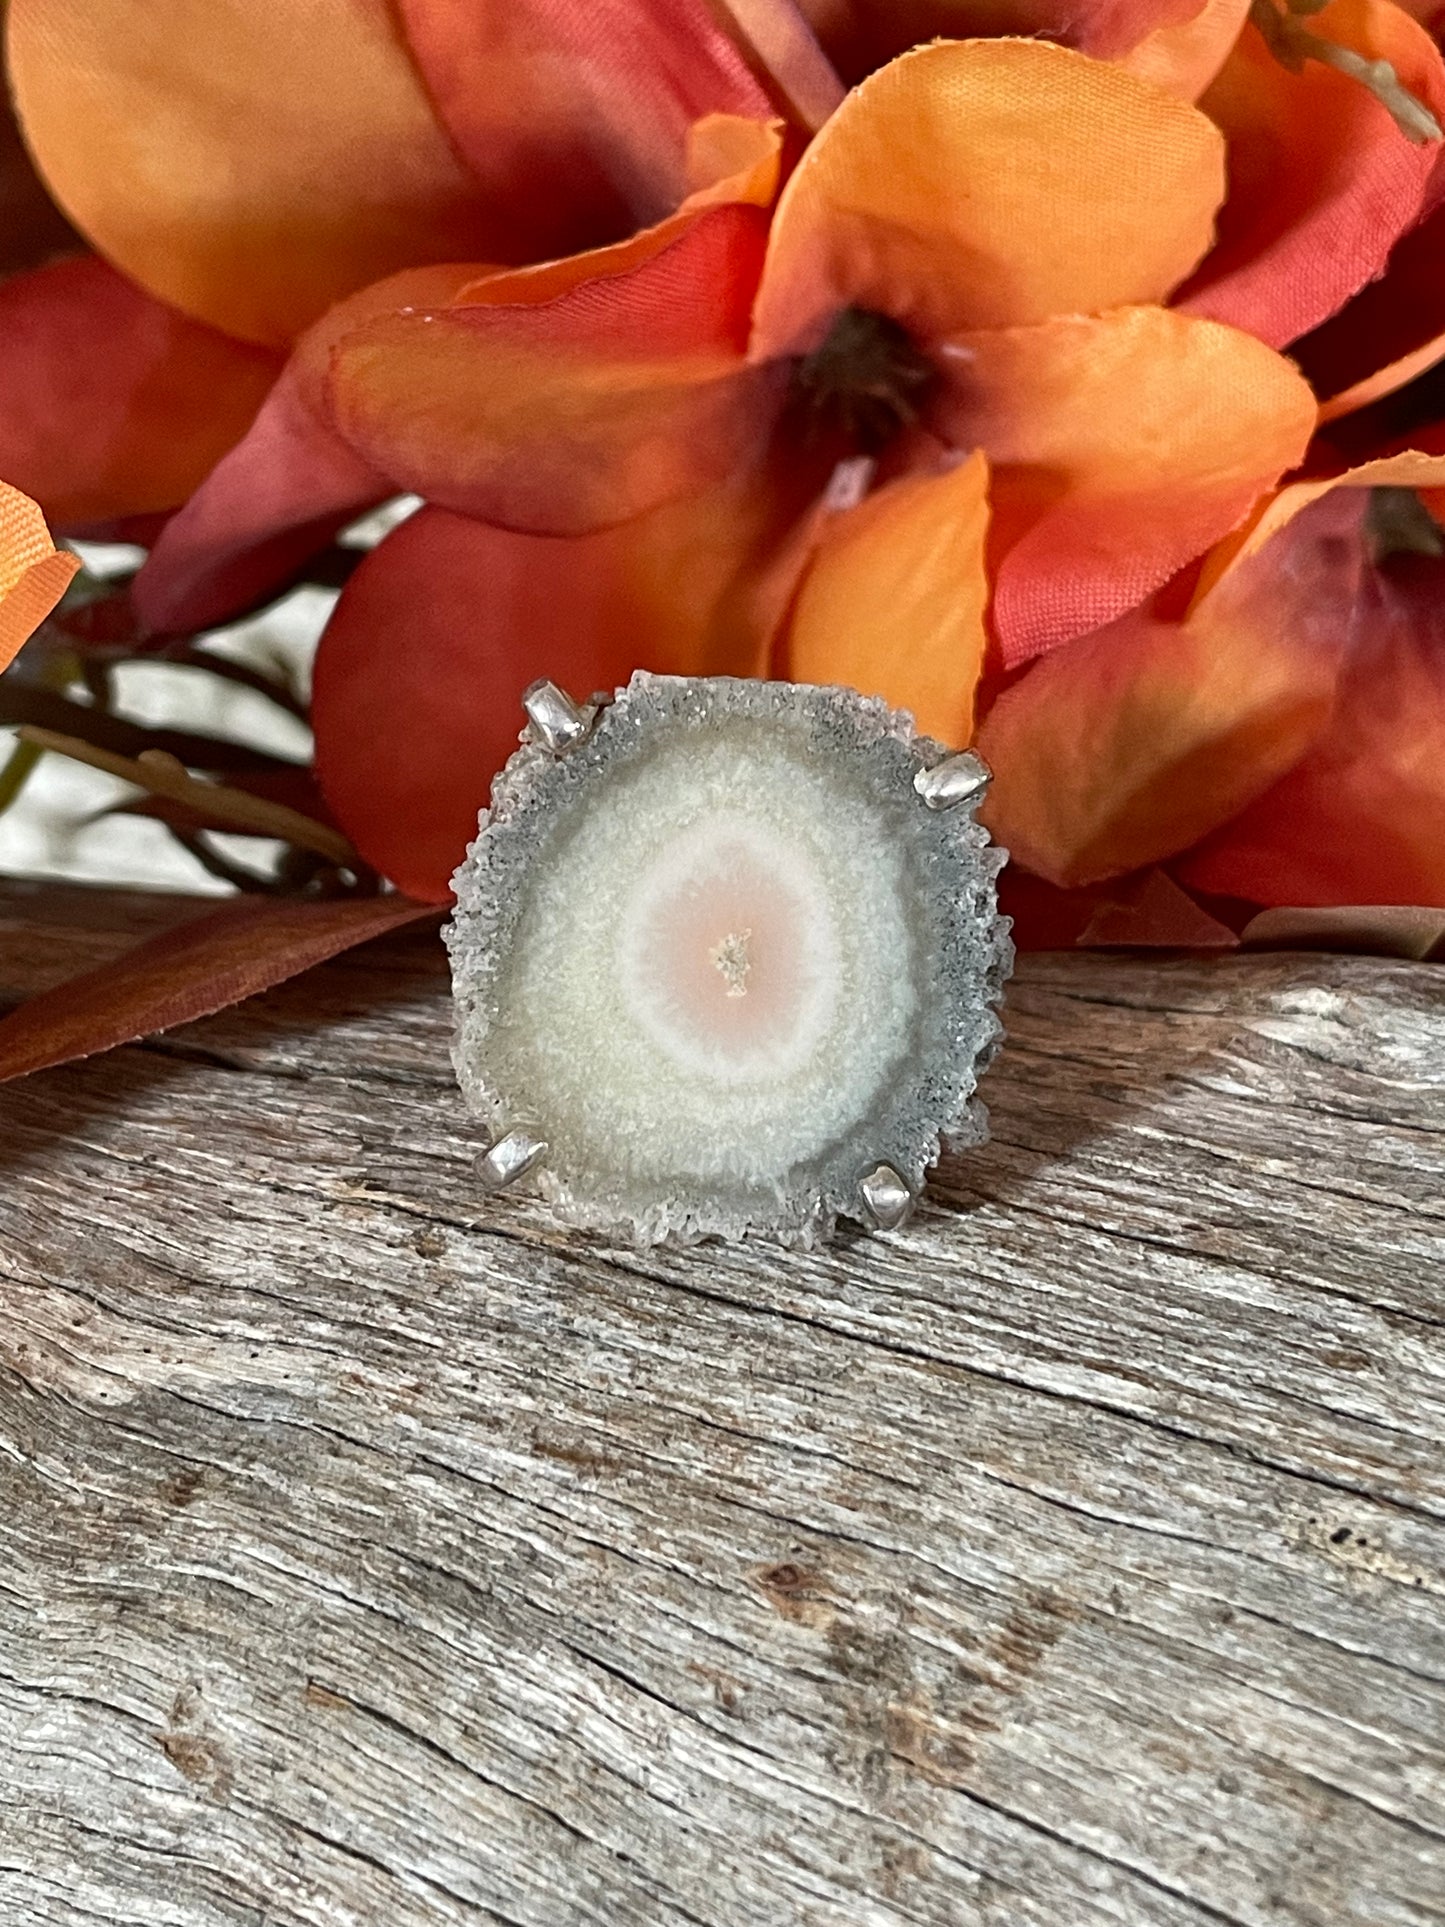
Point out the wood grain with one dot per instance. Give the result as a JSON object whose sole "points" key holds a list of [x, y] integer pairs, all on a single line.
{"points": [[371, 1556]]}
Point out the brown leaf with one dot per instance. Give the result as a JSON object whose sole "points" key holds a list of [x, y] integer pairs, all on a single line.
{"points": [[1376, 929], [190, 972]]}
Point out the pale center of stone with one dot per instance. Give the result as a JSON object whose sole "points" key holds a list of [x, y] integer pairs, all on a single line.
{"points": [[728, 949], [731, 961]]}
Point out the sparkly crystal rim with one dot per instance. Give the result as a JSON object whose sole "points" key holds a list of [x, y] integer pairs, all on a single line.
{"points": [[938, 1102]]}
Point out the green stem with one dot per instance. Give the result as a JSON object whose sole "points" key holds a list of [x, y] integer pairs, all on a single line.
{"points": [[1292, 44]]}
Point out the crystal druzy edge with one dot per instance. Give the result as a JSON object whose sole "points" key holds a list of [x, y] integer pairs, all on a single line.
{"points": [[559, 760]]}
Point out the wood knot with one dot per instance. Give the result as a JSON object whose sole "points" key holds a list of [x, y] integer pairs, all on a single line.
{"points": [[786, 1577], [195, 1752], [797, 1592], [180, 1490]]}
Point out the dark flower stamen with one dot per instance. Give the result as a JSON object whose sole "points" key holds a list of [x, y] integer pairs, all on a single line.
{"points": [[866, 379], [1397, 522]]}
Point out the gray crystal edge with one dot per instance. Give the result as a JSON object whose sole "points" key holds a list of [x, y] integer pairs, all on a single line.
{"points": [[525, 799]]}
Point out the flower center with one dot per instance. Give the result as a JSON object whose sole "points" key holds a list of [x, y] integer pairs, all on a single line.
{"points": [[866, 379]]}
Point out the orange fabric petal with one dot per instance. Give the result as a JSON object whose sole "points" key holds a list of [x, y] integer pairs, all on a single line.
{"points": [[32, 228], [987, 183], [112, 404], [893, 601], [1322, 182], [288, 485], [1412, 468], [1122, 445], [1185, 56], [1132, 743], [421, 670], [249, 164], [1384, 382], [294, 480], [33, 572], [578, 412], [530, 433], [732, 158]]}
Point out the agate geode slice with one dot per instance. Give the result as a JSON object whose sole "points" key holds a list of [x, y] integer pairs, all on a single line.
{"points": [[726, 957]]}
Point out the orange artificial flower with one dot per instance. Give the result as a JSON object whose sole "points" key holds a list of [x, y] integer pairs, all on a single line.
{"points": [[1282, 743], [679, 408], [970, 413], [239, 169]]}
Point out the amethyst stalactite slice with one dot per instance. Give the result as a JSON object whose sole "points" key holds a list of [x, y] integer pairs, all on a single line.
{"points": [[727, 959]]}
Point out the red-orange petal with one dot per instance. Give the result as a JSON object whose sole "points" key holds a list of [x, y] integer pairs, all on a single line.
{"points": [[1361, 818], [112, 404], [294, 480], [574, 119], [893, 601], [860, 35], [421, 670], [287, 486], [575, 413], [1130, 744], [1322, 182], [1122, 446], [275, 500], [249, 164], [33, 572], [729, 159], [989, 183]]}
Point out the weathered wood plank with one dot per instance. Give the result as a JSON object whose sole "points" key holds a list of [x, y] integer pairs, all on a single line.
{"points": [[1077, 1556]]}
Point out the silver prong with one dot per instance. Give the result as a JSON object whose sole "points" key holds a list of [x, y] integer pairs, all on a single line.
{"points": [[556, 720], [957, 779], [887, 1198], [510, 1158]]}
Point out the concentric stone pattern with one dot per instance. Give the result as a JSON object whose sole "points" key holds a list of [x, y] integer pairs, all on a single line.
{"points": [[723, 958]]}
